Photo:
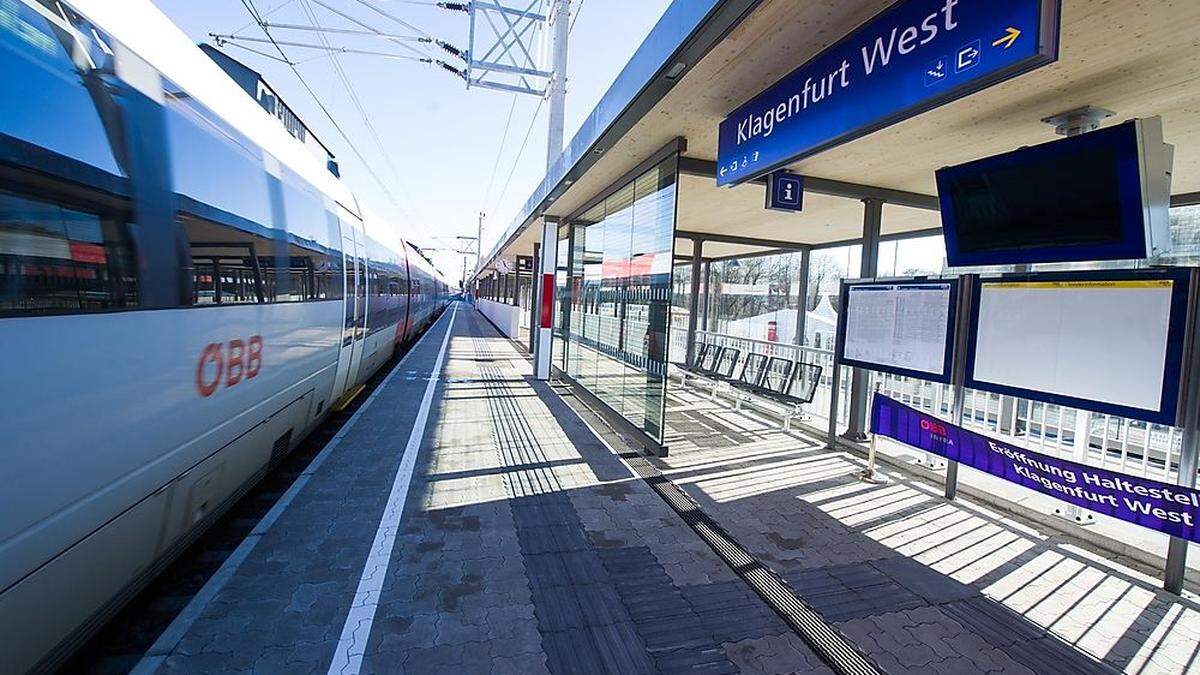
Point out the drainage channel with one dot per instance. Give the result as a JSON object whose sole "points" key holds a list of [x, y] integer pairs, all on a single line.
{"points": [[824, 639]]}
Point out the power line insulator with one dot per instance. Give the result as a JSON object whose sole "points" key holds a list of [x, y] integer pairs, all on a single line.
{"points": [[452, 69], [455, 6], [462, 54]]}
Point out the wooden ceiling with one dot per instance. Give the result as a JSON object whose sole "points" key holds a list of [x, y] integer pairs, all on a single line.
{"points": [[1138, 58]]}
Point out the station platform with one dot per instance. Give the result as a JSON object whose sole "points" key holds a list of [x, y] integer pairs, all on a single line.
{"points": [[469, 519]]}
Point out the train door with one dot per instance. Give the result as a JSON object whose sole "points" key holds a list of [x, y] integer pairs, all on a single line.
{"points": [[360, 303], [347, 365]]}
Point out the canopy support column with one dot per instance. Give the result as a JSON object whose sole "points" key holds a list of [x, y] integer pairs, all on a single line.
{"points": [[859, 393], [694, 299], [802, 297]]}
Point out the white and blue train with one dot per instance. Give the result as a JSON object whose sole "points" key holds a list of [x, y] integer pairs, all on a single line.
{"points": [[185, 292]]}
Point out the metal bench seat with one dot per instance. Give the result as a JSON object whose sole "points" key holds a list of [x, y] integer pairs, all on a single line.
{"points": [[790, 383]]}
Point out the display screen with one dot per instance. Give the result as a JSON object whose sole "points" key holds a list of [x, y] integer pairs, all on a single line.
{"points": [[1073, 199], [904, 328]]}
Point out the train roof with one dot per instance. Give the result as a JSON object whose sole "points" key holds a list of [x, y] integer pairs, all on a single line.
{"points": [[143, 29]]}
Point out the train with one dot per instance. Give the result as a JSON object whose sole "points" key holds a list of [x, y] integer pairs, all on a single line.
{"points": [[186, 292]]}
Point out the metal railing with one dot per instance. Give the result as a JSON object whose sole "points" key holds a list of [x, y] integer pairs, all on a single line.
{"points": [[1096, 439]]}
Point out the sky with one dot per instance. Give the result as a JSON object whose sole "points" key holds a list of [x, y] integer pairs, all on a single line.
{"points": [[439, 144]]}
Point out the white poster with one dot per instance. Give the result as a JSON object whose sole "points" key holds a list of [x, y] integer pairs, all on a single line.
{"points": [[1100, 341], [899, 326]]}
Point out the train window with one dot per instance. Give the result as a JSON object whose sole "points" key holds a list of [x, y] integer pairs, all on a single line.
{"points": [[46, 102], [306, 273], [59, 259], [329, 275], [225, 266], [212, 165], [306, 219]]}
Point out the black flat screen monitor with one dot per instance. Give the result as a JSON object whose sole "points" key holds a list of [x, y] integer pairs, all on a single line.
{"points": [[1076, 199]]}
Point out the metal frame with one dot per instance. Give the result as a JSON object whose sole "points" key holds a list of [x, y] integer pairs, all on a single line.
{"points": [[511, 52], [707, 168], [714, 237], [675, 145], [646, 79]]}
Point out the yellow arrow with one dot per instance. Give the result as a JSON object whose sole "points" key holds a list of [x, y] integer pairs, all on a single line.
{"points": [[1010, 36]]}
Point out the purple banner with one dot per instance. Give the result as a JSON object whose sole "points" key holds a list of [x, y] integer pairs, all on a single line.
{"points": [[1170, 509]]}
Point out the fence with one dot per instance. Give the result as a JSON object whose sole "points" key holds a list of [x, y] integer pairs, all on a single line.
{"points": [[1121, 444]]}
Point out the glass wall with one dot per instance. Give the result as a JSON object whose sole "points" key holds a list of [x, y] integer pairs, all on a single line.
{"points": [[614, 289]]}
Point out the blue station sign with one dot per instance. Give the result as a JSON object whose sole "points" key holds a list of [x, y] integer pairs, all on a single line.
{"points": [[913, 57]]}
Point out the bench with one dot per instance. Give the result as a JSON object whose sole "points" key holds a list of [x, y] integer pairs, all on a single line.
{"points": [[784, 381], [789, 383], [713, 362]]}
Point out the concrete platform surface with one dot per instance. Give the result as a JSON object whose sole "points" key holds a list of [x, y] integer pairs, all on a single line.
{"points": [[471, 520], [521, 544], [919, 583]]}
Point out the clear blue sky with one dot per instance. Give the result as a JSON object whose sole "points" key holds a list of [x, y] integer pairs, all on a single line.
{"points": [[441, 138]]}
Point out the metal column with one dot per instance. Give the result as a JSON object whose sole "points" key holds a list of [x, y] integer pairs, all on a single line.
{"points": [[802, 292], [872, 222], [707, 295], [560, 29], [1189, 451], [958, 370], [693, 300]]}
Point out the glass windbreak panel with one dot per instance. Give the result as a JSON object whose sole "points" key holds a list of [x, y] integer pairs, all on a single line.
{"points": [[589, 327], [681, 298], [757, 297], [563, 299], [622, 260], [575, 330], [612, 356], [649, 295], [912, 257]]}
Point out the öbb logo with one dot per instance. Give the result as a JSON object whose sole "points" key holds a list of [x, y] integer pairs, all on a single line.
{"points": [[934, 428], [228, 364]]}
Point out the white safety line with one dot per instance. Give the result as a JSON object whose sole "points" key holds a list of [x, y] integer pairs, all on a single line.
{"points": [[178, 628], [348, 656]]}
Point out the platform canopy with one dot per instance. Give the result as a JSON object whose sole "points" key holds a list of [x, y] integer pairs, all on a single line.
{"points": [[1136, 59]]}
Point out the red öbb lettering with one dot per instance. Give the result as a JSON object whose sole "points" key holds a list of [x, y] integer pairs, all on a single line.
{"points": [[230, 363], [934, 428]]}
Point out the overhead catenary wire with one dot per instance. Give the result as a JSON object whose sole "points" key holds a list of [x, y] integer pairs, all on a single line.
{"points": [[373, 29], [333, 49], [520, 153], [487, 195], [267, 13], [345, 31], [354, 98], [249, 5], [222, 43], [393, 17]]}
